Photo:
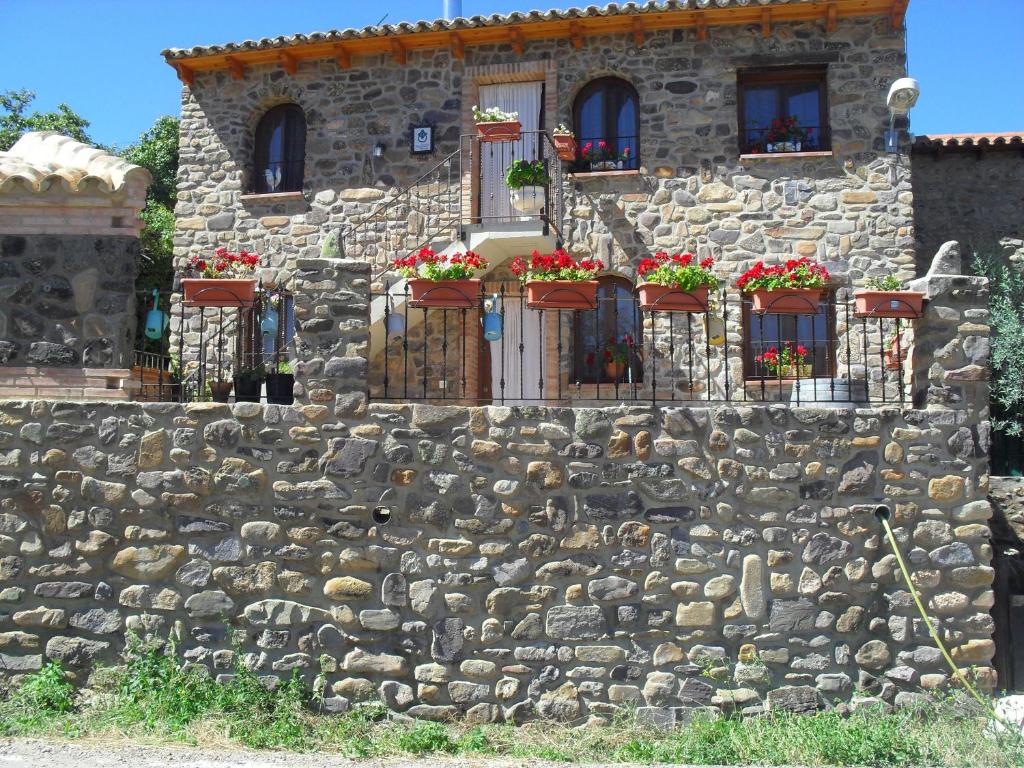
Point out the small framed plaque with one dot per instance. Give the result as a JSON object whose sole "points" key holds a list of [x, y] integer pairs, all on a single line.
{"points": [[422, 139]]}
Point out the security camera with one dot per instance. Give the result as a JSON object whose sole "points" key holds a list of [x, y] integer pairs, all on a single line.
{"points": [[903, 96]]}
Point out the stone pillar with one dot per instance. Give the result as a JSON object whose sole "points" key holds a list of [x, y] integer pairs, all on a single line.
{"points": [[332, 317], [951, 345]]}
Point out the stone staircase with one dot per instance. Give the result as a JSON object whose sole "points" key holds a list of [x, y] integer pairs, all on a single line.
{"points": [[25, 383]]}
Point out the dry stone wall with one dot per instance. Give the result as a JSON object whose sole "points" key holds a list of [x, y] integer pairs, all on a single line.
{"points": [[537, 562]]}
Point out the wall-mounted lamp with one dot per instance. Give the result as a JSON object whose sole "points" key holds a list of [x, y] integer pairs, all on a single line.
{"points": [[903, 96], [378, 149]]}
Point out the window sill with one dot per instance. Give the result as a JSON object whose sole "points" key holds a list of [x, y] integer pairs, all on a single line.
{"points": [[602, 174], [272, 197], [786, 155]]}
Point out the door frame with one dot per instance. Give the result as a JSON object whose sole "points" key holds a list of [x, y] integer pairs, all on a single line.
{"points": [[498, 74]]}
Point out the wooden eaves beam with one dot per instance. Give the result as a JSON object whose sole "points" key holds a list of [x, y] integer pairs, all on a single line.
{"points": [[185, 74], [576, 34], [236, 67], [831, 18], [342, 56], [458, 47], [766, 22], [515, 39], [638, 31], [702, 27], [398, 51], [289, 62], [897, 13]]}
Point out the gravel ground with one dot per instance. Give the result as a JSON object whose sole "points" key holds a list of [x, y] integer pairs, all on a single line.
{"points": [[30, 753]]}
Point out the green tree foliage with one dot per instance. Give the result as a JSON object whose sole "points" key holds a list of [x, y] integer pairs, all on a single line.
{"points": [[15, 119], [1006, 307]]}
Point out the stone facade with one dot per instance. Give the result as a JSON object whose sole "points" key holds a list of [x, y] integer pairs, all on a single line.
{"points": [[851, 208], [510, 563], [67, 300], [975, 196]]}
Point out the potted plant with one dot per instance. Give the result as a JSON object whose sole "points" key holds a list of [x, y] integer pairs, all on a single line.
{"points": [[674, 283], [617, 356], [558, 281], [894, 356], [786, 135], [528, 182], [565, 143], [885, 297], [493, 124], [790, 362], [601, 156], [219, 390], [248, 384], [444, 280], [280, 384], [226, 280], [793, 288]]}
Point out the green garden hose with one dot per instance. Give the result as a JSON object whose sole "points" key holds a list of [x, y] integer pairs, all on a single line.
{"points": [[883, 515]]}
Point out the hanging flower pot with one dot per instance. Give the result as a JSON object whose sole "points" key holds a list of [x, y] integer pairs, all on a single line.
{"points": [[714, 327], [565, 146], [268, 325], [904, 304], [528, 201], [792, 288], [441, 280], [396, 325], [558, 281], [216, 292], [492, 321], [561, 294], [449, 294], [787, 301]]}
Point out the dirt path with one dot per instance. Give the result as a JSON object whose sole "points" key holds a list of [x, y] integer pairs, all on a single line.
{"points": [[30, 753]]}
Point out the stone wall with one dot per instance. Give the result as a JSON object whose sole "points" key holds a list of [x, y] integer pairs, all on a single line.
{"points": [[67, 300], [972, 196], [548, 562], [851, 209]]}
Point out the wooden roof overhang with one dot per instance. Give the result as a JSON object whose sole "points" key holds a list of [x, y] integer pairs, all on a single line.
{"points": [[518, 35]]}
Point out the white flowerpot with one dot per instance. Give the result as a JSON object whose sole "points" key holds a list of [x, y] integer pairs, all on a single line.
{"points": [[528, 200], [785, 146]]}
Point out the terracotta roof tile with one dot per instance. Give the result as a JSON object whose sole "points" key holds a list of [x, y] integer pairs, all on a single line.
{"points": [[473, 22], [969, 140]]}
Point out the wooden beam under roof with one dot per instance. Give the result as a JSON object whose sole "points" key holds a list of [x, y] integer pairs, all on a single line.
{"points": [[766, 22], [185, 74], [236, 67], [458, 47], [289, 62], [831, 18], [342, 56], [638, 31], [575, 29], [515, 39], [398, 51]]}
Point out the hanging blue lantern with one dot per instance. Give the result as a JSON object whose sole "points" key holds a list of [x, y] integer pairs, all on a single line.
{"points": [[492, 319], [268, 325], [156, 319]]}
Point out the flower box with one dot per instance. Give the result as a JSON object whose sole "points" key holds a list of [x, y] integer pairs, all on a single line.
{"points": [[667, 298], [784, 146], [218, 292], [803, 371], [445, 294], [511, 130], [906, 304], [787, 301], [561, 294], [565, 147]]}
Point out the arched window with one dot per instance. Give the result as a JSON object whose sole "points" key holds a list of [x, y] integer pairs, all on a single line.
{"points": [[607, 342], [607, 120], [280, 152]]}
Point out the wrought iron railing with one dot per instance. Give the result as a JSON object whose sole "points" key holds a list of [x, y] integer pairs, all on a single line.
{"points": [[465, 188], [559, 356]]}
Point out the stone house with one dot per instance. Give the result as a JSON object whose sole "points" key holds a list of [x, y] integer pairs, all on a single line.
{"points": [[687, 113], [555, 555]]}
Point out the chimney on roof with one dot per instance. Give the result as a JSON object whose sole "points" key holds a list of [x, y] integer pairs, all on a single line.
{"points": [[452, 9]]}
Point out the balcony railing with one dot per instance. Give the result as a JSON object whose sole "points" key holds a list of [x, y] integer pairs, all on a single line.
{"points": [[557, 356]]}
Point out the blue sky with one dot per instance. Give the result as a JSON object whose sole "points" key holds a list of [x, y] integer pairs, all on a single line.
{"points": [[102, 57]]}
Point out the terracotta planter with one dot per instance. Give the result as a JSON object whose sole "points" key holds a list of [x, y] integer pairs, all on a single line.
{"points": [[561, 294], [908, 304], [509, 131], [565, 147], [219, 391], [667, 298], [787, 301], [446, 294], [218, 292], [894, 356], [615, 371]]}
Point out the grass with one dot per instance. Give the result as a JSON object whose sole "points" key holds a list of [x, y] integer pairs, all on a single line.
{"points": [[155, 700]]}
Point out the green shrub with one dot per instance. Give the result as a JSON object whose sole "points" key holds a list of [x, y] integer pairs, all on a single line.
{"points": [[425, 738]]}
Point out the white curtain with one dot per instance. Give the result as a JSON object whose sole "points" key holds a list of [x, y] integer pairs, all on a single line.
{"points": [[529, 331], [524, 98]]}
